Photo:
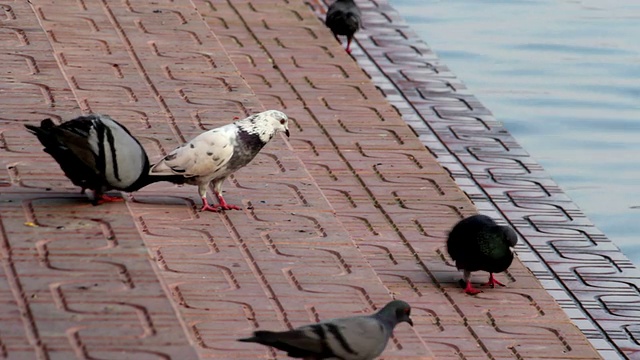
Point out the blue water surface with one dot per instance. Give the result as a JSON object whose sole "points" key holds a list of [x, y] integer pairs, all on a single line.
{"points": [[564, 78]]}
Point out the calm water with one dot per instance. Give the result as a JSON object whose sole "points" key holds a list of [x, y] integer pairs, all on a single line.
{"points": [[564, 78]]}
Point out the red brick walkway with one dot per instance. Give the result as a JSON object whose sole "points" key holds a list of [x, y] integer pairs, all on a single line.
{"points": [[350, 212]]}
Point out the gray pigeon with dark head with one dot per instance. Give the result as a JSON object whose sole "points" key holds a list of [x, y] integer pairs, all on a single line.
{"points": [[343, 18], [215, 154], [349, 338], [96, 152], [478, 243]]}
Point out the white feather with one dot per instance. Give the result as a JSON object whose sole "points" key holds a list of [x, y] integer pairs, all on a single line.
{"points": [[205, 155], [206, 158]]}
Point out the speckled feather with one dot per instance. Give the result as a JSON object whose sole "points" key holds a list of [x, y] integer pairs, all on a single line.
{"points": [[215, 154]]}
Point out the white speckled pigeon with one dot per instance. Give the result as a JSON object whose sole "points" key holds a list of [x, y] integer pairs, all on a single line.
{"points": [[350, 338], [343, 18], [98, 153], [215, 154], [478, 243]]}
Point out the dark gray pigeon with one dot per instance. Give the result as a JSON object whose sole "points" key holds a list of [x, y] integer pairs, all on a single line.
{"points": [[98, 153], [215, 154], [478, 243], [343, 18], [350, 338]]}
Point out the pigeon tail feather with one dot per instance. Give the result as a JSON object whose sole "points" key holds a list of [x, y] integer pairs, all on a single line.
{"points": [[160, 169], [294, 342], [151, 179]]}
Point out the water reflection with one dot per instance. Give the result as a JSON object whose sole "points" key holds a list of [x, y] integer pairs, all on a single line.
{"points": [[564, 77]]}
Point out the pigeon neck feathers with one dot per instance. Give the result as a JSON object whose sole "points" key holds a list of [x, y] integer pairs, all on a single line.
{"points": [[257, 125], [265, 125], [393, 313], [510, 236]]}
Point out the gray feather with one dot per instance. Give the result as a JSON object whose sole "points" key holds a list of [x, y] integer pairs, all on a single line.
{"points": [[350, 338]]}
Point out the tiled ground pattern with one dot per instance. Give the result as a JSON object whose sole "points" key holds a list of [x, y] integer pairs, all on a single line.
{"points": [[92, 282], [153, 278], [383, 184], [585, 272]]}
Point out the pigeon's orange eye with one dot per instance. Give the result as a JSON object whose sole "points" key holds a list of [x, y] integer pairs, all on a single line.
{"points": [[282, 121], [407, 311]]}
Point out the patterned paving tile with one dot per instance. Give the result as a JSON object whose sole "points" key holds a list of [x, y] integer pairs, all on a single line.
{"points": [[563, 247], [382, 181], [349, 212]]}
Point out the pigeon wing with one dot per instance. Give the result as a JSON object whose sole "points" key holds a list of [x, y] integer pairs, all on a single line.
{"points": [[463, 238], [76, 140], [68, 146], [302, 342], [205, 155], [356, 338], [121, 155]]}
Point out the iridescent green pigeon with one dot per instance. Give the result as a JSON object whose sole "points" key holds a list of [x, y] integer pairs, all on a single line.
{"points": [[478, 243]]}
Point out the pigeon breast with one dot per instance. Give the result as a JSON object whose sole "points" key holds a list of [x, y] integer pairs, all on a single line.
{"points": [[247, 147]]}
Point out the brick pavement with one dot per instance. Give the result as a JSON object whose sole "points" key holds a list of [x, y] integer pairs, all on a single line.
{"points": [[585, 272], [350, 212]]}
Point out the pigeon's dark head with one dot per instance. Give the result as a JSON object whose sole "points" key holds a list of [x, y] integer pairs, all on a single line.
{"points": [[509, 235], [396, 311]]}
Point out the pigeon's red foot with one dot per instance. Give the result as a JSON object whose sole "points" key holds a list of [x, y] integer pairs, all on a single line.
{"points": [[207, 207], [104, 198], [229, 207], [224, 206], [469, 289], [349, 46], [493, 282]]}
